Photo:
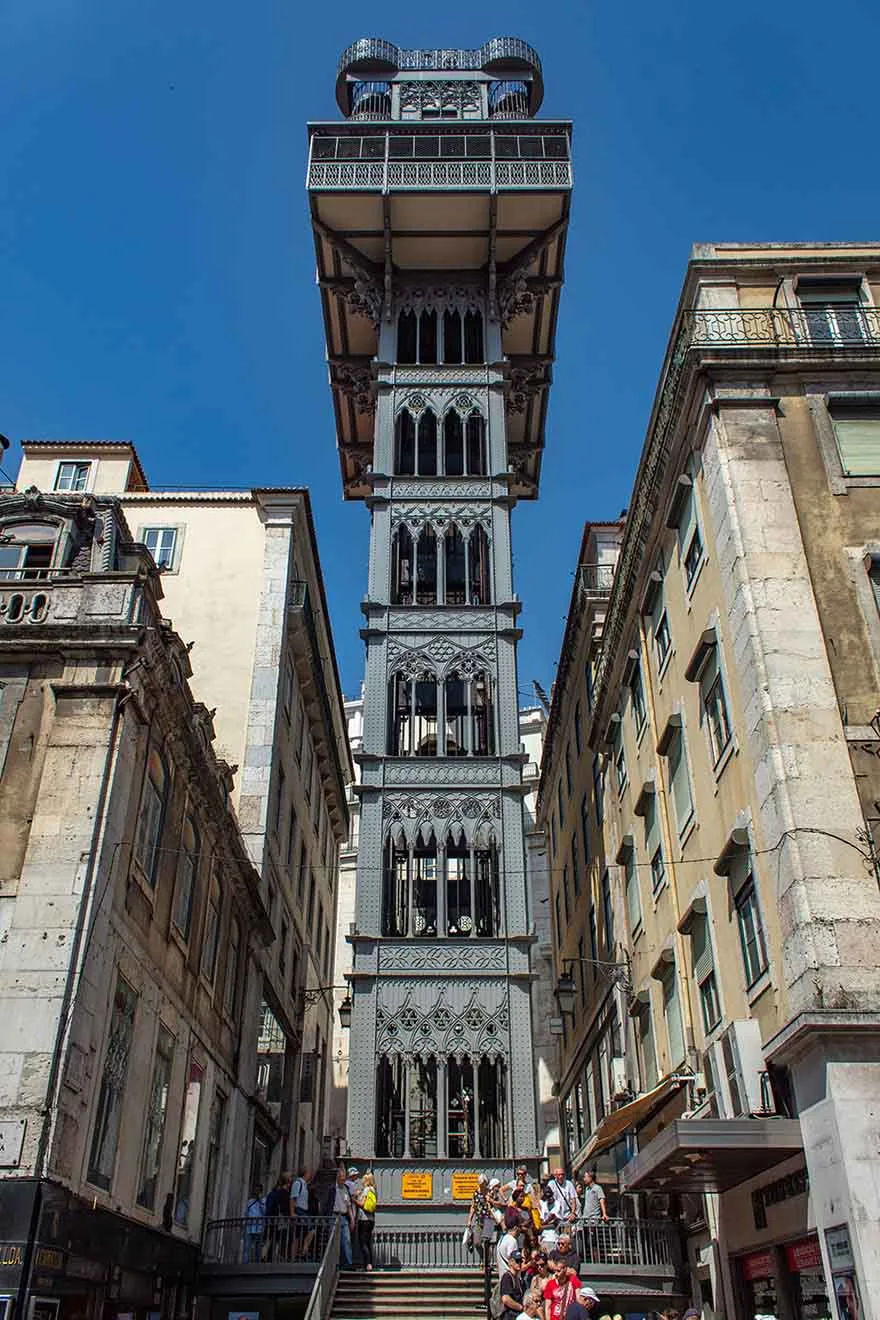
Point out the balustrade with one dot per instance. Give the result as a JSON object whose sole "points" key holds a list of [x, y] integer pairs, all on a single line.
{"points": [[298, 1240], [627, 1242]]}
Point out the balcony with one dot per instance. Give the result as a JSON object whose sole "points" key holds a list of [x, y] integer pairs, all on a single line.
{"points": [[459, 158], [30, 597], [633, 1259], [595, 581], [817, 328]]}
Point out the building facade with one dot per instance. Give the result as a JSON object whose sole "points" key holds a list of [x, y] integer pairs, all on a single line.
{"points": [[133, 926], [735, 711], [439, 207], [242, 584]]}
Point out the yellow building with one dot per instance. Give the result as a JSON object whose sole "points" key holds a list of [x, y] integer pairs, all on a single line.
{"points": [[735, 715]]}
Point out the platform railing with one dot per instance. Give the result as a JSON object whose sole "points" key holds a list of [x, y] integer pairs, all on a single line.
{"points": [[268, 1240], [324, 1290], [627, 1242], [422, 1249]]}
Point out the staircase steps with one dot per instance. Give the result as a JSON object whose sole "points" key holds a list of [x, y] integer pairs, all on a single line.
{"points": [[427, 1295]]}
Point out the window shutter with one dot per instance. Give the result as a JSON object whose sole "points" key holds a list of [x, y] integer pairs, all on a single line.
{"points": [[858, 439], [681, 788]]}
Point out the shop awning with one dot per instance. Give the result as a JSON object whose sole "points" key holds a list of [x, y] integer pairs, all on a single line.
{"points": [[711, 1154], [614, 1126]]}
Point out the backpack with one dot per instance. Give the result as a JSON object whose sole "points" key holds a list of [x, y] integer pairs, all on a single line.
{"points": [[496, 1306], [370, 1200]]}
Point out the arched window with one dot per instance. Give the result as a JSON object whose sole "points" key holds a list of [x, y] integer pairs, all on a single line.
{"points": [[460, 1125], [413, 716], [427, 447], [456, 568], [467, 580], [459, 896], [453, 445], [405, 445], [479, 592], [456, 693], [482, 719], [474, 350], [149, 825], [469, 723], [426, 567], [475, 446], [27, 550], [491, 1118], [487, 900], [185, 883], [423, 919], [402, 567], [428, 338], [452, 337], [395, 889]]}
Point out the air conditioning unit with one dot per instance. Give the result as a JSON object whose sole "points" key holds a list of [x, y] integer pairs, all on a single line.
{"points": [[703, 1095], [737, 1063], [619, 1082]]}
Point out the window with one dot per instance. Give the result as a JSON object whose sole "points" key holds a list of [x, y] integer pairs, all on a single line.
{"points": [[607, 913], [212, 932], [568, 769], [464, 445], [185, 881], [189, 1128], [693, 558], [233, 958], [751, 932], [832, 310], [575, 863], [72, 476], [620, 771], [654, 844], [662, 640], [637, 699], [149, 825], [658, 869], [162, 544], [282, 948], [582, 970], [589, 680], [578, 732], [278, 808], [108, 1119], [585, 828], [672, 1013], [709, 1003], [599, 790], [157, 1106], [647, 1055], [560, 805], [26, 550], [287, 692], [633, 896], [874, 578], [715, 712], [291, 839], [680, 782], [594, 937], [565, 894], [857, 432]]}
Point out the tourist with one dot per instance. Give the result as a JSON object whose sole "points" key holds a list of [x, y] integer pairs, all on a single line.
{"points": [[564, 1196], [278, 1215], [566, 1252], [511, 1287], [365, 1202], [508, 1244], [533, 1305], [583, 1306], [537, 1271], [299, 1193], [339, 1203], [255, 1216], [559, 1290], [593, 1209], [481, 1225], [497, 1201]]}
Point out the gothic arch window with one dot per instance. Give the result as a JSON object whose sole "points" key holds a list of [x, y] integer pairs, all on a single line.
{"points": [[472, 899], [426, 567], [456, 567], [410, 888], [426, 338], [405, 445], [395, 888], [478, 567], [414, 567], [469, 719], [474, 350], [452, 337], [475, 445], [413, 715], [453, 445], [426, 454], [410, 1091], [466, 567]]}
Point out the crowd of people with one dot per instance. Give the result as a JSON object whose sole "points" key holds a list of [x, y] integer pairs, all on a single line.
{"points": [[273, 1233]]}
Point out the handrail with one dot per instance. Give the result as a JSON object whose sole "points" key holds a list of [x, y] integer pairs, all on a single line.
{"points": [[267, 1240], [324, 1290], [421, 1248], [627, 1242]]}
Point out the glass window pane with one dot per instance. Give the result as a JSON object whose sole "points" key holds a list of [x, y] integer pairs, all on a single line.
{"points": [[105, 1136]]}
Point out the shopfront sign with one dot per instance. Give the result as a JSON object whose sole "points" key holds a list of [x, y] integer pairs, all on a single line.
{"points": [[803, 1255], [774, 1193], [417, 1186], [44, 1308], [759, 1265], [464, 1185], [10, 1254]]}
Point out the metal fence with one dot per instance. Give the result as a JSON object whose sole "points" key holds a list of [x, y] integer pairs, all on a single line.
{"points": [[822, 326], [627, 1242], [422, 1249], [299, 1240]]}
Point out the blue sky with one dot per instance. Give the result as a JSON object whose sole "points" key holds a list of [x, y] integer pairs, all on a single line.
{"points": [[156, 265]]}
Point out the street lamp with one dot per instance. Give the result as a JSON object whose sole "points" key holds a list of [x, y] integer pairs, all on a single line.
{"points": [[312, 995], [617, 973], [565, 993], [345, 1011]]}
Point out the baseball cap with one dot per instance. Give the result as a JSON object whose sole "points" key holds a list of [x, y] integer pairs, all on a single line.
{"points": [[588, 1294], [517, 1256], [494, 1182], [353, 1172]]}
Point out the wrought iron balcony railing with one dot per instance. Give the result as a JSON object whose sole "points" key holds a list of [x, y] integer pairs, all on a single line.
{"points": [[820, 327], [595, 580], [486, 159], [261, 1240], [649, 1243]]}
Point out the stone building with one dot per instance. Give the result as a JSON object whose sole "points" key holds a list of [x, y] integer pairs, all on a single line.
{"points": [[439, 207], [735, 710], [133, 926], [242, 584]]}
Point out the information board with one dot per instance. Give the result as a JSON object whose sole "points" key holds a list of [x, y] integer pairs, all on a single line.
{"points": [[463, 1186], [417, 1186]]}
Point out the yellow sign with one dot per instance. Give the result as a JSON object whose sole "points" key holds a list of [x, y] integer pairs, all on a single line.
{"points": [[417, 1186], [463, 1186]]}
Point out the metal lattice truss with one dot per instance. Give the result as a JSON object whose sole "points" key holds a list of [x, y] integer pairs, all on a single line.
{"points": [[418, 1031]]}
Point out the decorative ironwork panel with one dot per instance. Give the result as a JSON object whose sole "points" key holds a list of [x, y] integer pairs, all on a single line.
{"points": [[453, 958], [413, 772], [441, 1018], [476, 815]]}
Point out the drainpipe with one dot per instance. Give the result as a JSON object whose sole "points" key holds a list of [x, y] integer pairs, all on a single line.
{"points": [[74, 967]]}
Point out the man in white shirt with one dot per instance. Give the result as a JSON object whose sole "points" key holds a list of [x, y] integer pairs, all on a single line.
{"points": [[565, 1199], [299, 1193], [505, 1249]]}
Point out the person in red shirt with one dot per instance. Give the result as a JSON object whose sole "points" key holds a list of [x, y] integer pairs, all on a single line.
{"points": [[560, 1290]]}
